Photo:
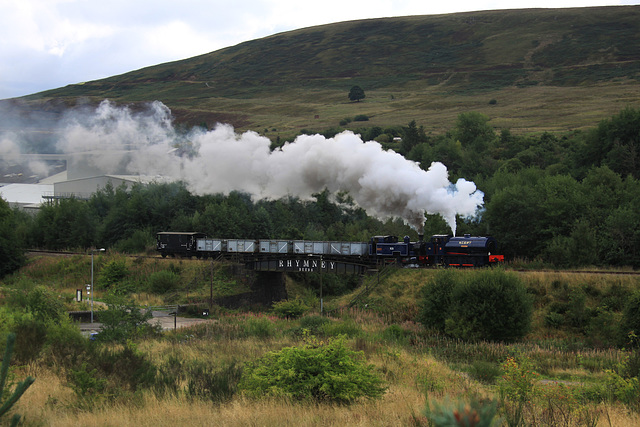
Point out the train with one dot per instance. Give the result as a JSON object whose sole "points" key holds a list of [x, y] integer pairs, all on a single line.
{"points": [[439, 250]]}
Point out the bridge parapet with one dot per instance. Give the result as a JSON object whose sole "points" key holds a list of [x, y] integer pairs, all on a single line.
{"points": [[307, 264]]}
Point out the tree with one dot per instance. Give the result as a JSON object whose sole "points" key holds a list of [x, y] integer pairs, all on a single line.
{"points": [[412, 135], [472, 129], [12, 397], [11, 253], [615, 143], [124, 320], [356, 93]]}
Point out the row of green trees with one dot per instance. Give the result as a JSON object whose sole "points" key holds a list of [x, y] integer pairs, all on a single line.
{"points": [[566, 200]]}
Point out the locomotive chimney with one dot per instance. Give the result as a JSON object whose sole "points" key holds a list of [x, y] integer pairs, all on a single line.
{"points": [[420, 237]]}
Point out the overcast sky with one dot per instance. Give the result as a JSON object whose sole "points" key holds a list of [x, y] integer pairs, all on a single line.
{"points": [[45, 44]]}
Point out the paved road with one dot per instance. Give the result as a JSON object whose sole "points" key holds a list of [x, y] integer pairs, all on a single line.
{"points": [[166, 320]]}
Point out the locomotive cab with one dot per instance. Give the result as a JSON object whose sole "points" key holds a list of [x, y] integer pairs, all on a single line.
{"points": [[388, 247], [468, 251], [434, 249]]}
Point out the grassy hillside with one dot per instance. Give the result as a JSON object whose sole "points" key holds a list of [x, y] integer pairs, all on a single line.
{"points": [[546, 70]]}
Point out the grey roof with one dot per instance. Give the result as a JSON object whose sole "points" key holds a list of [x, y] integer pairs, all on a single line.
{"points": [[25, 194]]}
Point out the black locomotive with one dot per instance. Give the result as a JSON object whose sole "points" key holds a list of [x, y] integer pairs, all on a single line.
{"points": [[439, 250]]}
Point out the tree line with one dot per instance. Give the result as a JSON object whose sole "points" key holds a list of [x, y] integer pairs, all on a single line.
{"points": [[566, 200]]}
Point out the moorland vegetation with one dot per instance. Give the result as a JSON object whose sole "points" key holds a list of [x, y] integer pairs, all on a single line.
{"points": [[528, 70], [422, 347], [570, 357]]}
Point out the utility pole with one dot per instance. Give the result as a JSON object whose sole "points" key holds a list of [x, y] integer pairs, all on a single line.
{"points": [[92, 252]]}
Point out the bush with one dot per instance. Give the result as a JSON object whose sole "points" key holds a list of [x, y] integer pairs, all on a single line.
{"points": [[488, 305], [87, 385], [313, 324], [485, 372], [436, 300], [124, 321], [207, 383], [289, 309], [361, 118], [125, 366], [41, 303], [32, 335], [316, 371], [161, 282], [631, 320], [112, 273]]}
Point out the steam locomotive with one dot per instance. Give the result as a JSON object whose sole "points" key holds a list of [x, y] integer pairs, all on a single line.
{"points": [[439, 250]]}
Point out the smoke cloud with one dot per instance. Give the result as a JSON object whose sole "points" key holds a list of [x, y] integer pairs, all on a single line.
{"points": [[383, 183]]}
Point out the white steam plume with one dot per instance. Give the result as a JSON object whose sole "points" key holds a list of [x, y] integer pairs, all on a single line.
{"points": [[383, 183]]}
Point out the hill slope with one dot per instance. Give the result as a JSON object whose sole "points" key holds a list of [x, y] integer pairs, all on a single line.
{"points": [[544, 69]]}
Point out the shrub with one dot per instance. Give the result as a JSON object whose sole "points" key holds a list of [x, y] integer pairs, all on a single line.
{"points": [[112, 273], [289, 309], [516, 388], [208, 383], [488, 305], [313, 324], [124, 320], [491, 305], [41, 303], [161, 282], [485, 372], [577, 312], [125, 367], [315, 371], [361, 118], [436, 300], [631, 319], [602, 330], [87, 385], [32, 335]]}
